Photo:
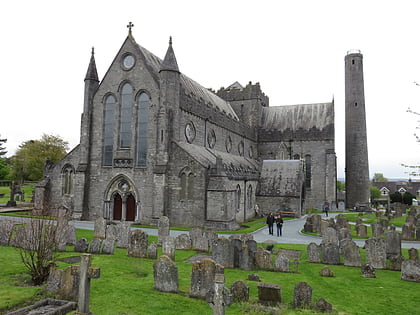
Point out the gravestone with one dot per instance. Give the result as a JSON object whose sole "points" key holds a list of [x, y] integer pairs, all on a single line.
{"points": [[165, 274], [202, 277], [326, 272], [344, 234], [108, 246], [351, 254], [395, 262], [81, 245], [163, 228], [314, 253], [341, 222], [211, 238], [246, 258], [408, 231], [137, 246], [219, 297], [237, 248], [377, 230], [86, 273], [195, 234], [223, 252], [254, 277], [263, 259], [330, 254], [269, 294], [282, 263], [368, 271], [183, 242], [95, 246], [240, 291], [361, 230], [111, 231], [410, 270], [376, 252], [201, 244], [123, 234], [168, 247], [413, 253], [330, 236], [100, 228], [323, 306], [393, 243], [302, 295], [152, 251]]}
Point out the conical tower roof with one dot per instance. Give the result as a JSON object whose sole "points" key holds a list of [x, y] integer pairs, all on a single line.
{"points": [[169, 63], [92, 73]]}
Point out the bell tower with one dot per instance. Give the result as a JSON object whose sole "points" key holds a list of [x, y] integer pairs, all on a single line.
{"points": [[357, 162]]}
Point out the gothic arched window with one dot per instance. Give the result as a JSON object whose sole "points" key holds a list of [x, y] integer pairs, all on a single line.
{"points": [[125, 115], [238, 198], [187, 184], [142, 123], [109, 122], [249, 197], [308, 171], [67, 180]]}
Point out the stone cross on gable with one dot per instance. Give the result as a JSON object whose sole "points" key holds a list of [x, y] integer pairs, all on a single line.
{"points": [[130, 26], [86, 273]]}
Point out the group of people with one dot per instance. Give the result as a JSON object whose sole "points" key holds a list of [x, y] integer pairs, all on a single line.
{"points": [[278, 220]]}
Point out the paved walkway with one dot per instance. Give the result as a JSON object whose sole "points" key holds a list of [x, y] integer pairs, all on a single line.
{"points": [[291, 233]]}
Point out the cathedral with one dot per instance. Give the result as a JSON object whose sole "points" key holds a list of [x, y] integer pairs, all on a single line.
{"points": [[154, 142]]}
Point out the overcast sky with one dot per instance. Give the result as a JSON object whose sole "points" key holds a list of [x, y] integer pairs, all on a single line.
{"points": [[295, 49]]}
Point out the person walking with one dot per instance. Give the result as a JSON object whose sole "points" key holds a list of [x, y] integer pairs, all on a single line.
{"points": [[270, 223], [279, 224], [326, 209]]}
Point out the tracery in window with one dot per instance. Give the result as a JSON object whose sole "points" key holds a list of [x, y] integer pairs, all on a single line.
{"points": [[142, 125], [109, 123], [125, 115], [67, 180], [187, 184]]}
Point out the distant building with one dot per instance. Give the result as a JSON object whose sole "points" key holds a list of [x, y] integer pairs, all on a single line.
{"points": [[390, 187], [154, 142]]}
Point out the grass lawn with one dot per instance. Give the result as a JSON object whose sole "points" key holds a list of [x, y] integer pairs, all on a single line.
{"points": [[27, 189], [126, 286]]}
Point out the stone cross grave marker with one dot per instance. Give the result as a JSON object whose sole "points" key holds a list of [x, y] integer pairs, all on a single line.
{"points": [[86, 273]]}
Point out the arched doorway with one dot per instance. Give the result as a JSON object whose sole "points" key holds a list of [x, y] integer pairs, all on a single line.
{"points": [[131, 208], [117, 207]]}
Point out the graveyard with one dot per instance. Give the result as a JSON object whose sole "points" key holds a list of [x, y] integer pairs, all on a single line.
{"points": [[132, 276]]}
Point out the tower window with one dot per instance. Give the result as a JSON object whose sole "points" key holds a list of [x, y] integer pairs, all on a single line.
{"points": [[352, 61], [355, 104]]}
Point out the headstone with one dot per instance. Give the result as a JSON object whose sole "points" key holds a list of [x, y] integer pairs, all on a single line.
{"points": [[269, 293], [330, 253], [323, 306], [163, 227], [282, 263], [393, 243], [223, 252], [202, 277], [95, 246], [417, 233], [247, 237], [263, 259], [237, 248], [376, 252], [368, 271], [165, 274], [168, 246], [313, 253], [219, 297], [408, 231], [211, 238], [81, 246], [240, 291], [410, 270], [413, 253], [344, 234], [100, 228], [195, 233], [351, 254], [152, 251], [108, 246], [246, 258], [111, 231], [377, 230], [201, 244], [123, 234], [86, 273], [341, 222], [361, 230], [254, 277], [326, 272], [395, 262], [137, 246], [183, 241], [302, 295], [330, 236]]}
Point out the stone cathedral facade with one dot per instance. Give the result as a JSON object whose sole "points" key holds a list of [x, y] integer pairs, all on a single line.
{"points": [[154, 142]]}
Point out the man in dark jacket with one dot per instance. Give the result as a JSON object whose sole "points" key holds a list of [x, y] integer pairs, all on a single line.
{"points": [[270, 223]]}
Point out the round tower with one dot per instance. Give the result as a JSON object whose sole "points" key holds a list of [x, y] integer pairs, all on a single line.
{"points": [[357, 163]]}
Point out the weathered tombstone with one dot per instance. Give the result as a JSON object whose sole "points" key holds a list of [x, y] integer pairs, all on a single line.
{"points": [[202, 277], [376, 253], [211, 238], [95, 246], [384, 222], [86, 273], [152, 251], [341, 222], [108, 246], [137, 246], [330, 235], [302, 295], [100, 228], [240, 291], [351, 254], [219, 297], [252, 245], [344, 234], [195, 233], [269, 293], [81, 245], [418, 233], [254, 277], [123, 234], [395, 262], [111, 231], [64, 283], [393, 243], [313, 253], [330, 253], [316, 221], [223, 252], [361, 230], [413, 253], [326, 272], [237, 248], [368, 271], [323, 306], [246, 258], [377, 230], [247, 237], [263, 259], [163, 228], [408, 231], [183, 241], [201, 244], [165, 274], [282, 263], [168, 247], [410, 270]]}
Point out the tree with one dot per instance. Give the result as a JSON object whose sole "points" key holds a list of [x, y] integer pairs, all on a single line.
{"points": [[375, 193], [341, 186], [379, 177], [2, 149], [4, 167], [29, 161]]}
